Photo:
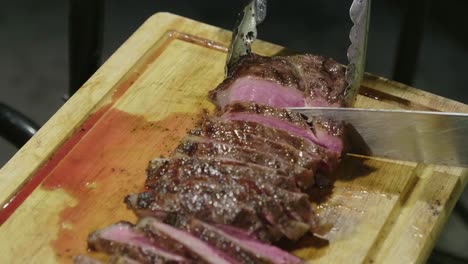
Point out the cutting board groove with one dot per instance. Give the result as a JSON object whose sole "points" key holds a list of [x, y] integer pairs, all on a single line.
{"points": [[138, 106]]}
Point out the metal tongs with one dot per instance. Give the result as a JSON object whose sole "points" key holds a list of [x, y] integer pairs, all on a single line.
{"points": [[245, 33]]}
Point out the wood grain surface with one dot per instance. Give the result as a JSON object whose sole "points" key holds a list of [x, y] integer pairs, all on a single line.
{"points": [[72, 176]]}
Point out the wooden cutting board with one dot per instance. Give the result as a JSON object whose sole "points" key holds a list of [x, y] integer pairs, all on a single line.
{"points": [[71, 177]]}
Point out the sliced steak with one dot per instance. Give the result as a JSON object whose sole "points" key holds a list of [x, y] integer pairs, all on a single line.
{"points": [[331, 136], [266, 132], [236, 183], [247, 218], [201, 147], [235, 242], [204, 252], [122, 238], [217, 182], [223, 198], [165, 171], [253, 141], [233, 129]]}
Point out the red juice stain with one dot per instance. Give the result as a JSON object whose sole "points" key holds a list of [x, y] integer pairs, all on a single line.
{"points": [[107, 163], [120, 90], [39, 176]]}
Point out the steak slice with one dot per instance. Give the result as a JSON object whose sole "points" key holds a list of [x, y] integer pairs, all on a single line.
{"points": [[173, 173], [180, 168], [122, 238], [247, 218], [268, 132], [201, 147], [252, 141], [204, 252], [240, 245], [218, 196], [303, 80], [330, 136], [270, 221], [223, 126]]}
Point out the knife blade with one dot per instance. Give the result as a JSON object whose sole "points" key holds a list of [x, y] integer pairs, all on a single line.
{"points": [[417, 136]]}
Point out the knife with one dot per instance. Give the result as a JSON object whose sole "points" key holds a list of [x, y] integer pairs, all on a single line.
{"points": [[419, 136]]}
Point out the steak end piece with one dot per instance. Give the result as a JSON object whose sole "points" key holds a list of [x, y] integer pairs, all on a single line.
{"points": [[290, 81]]}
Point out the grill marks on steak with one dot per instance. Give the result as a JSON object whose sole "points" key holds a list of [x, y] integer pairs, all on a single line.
{"points": [[290, 81], [252, 140], [238, 181], [197, 147], [164, 173], [224, 191]]}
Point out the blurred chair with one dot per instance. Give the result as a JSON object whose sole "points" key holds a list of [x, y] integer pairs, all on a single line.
{"points": [[15, 127], [85, 47]]}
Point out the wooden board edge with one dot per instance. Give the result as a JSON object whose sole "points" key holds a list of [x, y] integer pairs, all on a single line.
{"points": [[427, 101], [439, 203]]}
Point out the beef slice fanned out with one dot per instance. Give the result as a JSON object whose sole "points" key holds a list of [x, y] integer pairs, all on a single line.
{"points": [[205, 253], [289, 81], [242, 246], [123, 238]]}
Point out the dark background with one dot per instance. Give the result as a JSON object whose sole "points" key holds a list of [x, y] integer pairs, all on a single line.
{"points": [[34, 51]]}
